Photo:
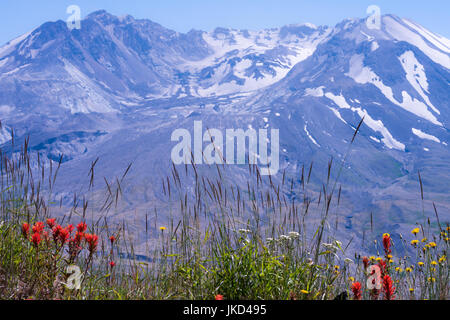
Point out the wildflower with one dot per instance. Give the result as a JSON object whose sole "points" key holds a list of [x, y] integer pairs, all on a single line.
{"points": [[51, 223], [284, 237], [336, 268], [36, 239], [112, 239], [63, 235], [351, 279], [38, 227], [25, 229], [162, 228], [382, 265], [372, 258], [432, 244], [269, 240], [356, 289], [433, 263], [112, 264], [378, 259], [365, 262], [244, 231], [398, 269], [294, 235], [218, 297], [92, 240], [411, 290], [420, 263], [442, 259], [388, 288], [387, 243], [304, 291], [424, 240], [56, 230], [415, 231], [430, 279], [389, 256], [414, 242], [408, 270], [432, 269], [81, 227]]}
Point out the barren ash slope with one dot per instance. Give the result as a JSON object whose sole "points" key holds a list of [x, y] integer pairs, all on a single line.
{"points": [[118, 87]]}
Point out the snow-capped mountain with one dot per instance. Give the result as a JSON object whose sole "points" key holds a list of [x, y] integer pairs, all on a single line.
{"points": [[118, 87]]}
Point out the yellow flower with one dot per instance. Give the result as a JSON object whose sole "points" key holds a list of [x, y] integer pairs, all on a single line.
{"points": [[162, 228], [408, 269], [378, 259], [433, 263], [442, 259], [411, 289], [304, 291], [372, 258], [351, 279], [391, 261], [398, 269], [414, 242], [420, 263], [336, 267], [415, 231], [389, 256], [424, 240], [432, 244], [447, 239], [430, 279], [448, 228], [386, 235], [432, 269]]}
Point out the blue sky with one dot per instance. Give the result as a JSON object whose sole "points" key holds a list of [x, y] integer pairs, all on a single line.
{"points": [[20, 16]]}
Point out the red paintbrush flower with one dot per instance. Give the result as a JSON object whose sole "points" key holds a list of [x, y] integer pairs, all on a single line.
{"points": [[366, 262], [56, 231], [218, 297], [63, 235], [69, 228], [387, 243], [36, 239], [38, 227], [92, 240], [388, 288], [382, 265], [51, 223], [25, 229], [112, 264], [112, 239], [81, 227], [356, 289]]}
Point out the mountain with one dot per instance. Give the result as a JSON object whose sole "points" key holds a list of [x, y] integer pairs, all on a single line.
{"points": [[118, 87]]}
